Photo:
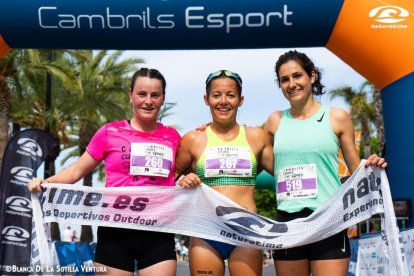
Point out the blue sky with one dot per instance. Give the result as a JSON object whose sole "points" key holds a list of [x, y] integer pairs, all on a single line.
{"points": [[186, 71]]}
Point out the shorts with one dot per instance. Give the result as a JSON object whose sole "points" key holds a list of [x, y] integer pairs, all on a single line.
{"points": [[224, 249], [120, 248], [334, 247]]}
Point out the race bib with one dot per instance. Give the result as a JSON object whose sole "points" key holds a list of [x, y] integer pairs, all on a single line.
{"points": [[297, 182], [151, 159], [227, 161]]}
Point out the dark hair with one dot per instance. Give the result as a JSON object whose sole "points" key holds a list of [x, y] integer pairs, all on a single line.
{"points": [[304, 61], [224, 74], [149, 73]]}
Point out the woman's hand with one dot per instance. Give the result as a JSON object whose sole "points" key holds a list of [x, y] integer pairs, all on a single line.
{"points": [[189, 181], [203, 127], [35, 185], [375, 160]]}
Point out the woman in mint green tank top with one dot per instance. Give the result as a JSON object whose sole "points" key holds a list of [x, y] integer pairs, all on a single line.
{"points": [[306, 141], [227, 157]]}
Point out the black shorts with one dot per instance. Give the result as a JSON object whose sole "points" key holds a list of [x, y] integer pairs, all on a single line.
{"points": [[120, 248], [334, 247]]}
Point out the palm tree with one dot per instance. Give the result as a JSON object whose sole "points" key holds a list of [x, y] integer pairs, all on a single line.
{"points": [[104, 80], [362, 111], [166, 112], [98, 95], [7, 69], [29, 91], [29, 101], [379, 118]]}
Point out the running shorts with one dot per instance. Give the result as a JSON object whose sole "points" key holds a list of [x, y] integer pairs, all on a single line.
{"points": [[120, 248], [334, 247]]}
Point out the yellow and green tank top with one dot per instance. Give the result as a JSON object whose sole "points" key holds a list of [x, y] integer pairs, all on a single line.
{"points": [[227, 162]]}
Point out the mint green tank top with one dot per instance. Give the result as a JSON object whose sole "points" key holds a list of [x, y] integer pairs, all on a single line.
{"points": [[227, 162], [306, 161]]}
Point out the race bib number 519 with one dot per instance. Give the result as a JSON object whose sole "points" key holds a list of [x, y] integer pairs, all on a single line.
{"points": [[297, 182]]}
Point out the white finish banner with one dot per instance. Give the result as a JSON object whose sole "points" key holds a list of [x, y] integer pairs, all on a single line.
{"points": [[205, 213], [371, 260]]}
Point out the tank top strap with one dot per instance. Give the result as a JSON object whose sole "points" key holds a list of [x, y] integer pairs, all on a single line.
{"points": [[213, 139]]}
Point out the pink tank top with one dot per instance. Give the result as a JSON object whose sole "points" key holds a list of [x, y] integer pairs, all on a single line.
{"points": [[134, 158]]}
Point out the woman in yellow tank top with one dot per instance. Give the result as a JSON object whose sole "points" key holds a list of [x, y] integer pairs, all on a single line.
{"points": [[226, 157]]}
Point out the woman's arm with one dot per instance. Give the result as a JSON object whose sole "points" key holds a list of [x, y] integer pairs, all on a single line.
{"points": [[184, 161], [260, 142], [84, 165], [267, 158], [344, 130], [272, 125]]}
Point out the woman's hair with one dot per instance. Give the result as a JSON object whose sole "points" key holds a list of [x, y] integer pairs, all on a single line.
{"points": [[304, 61], [149, 73]]}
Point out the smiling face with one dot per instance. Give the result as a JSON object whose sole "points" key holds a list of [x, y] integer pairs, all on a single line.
{"points": [[147, 98], [295, 83], [224, 99]]}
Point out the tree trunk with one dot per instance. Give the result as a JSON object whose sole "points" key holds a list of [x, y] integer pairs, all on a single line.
{"points": [[86, 230], [50, 169], [4, 117], [366, 137], [379, 119], [85, 134]]}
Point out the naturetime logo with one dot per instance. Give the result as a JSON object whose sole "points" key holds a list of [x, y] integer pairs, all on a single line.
{"points": [[21, 175], [389, 16], [15, 234], [29, 147], [17, 205]]}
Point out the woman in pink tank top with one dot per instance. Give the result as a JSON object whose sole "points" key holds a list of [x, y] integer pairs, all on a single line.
{"points": [[124, 147]]}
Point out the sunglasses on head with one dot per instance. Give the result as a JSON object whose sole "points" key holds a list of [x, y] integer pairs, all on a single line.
{"points": [[226, 73]]}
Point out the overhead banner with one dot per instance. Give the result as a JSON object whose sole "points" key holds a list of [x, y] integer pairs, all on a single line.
{"points": [[205, 213], [374, 37], [183, 24], [24, 154]]}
